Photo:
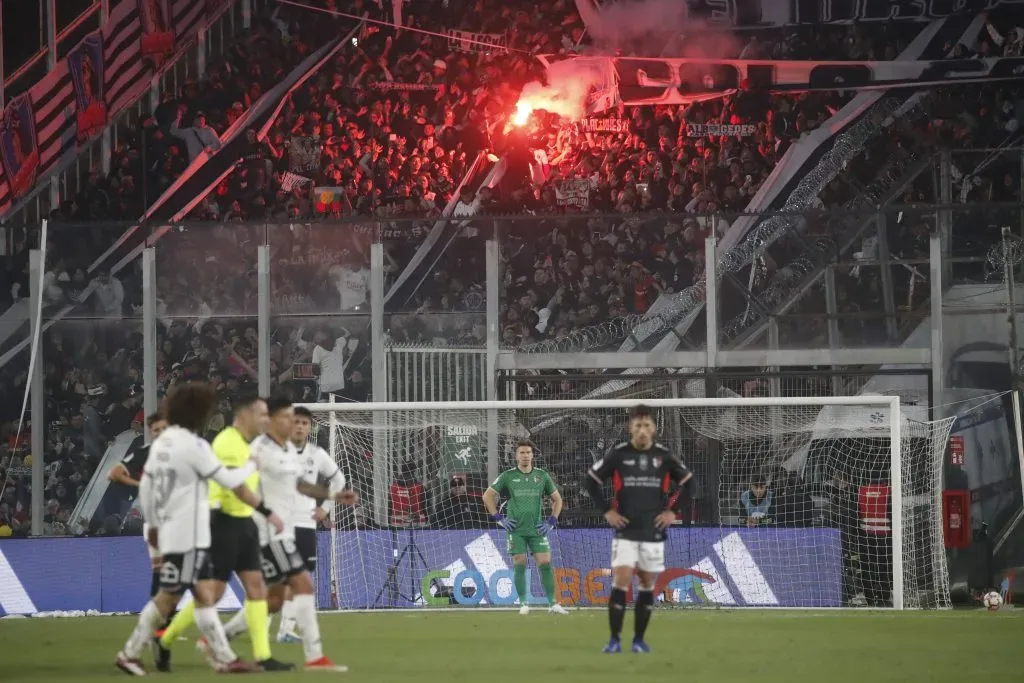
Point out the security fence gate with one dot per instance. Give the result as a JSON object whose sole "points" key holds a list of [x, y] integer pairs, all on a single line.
{"points": [[427, 373], [435, 455]]}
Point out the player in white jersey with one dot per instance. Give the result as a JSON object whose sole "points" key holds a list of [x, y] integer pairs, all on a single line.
{"points": [[175, 504], [317, 466], [283, 486]]}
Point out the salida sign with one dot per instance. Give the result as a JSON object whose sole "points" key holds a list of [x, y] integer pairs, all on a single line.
{"points": [[469, 587]]}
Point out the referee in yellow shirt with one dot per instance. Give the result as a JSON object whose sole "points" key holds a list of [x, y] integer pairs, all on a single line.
{"points": [[234, 539]]}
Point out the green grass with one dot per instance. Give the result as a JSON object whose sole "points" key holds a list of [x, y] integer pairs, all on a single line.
{"points": [[502, 647]]}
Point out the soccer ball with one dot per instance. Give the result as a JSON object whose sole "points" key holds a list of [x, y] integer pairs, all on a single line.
{"points": [[992, 601]]}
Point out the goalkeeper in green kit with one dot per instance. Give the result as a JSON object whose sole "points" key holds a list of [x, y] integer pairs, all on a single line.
{"points": [[527, 530]]}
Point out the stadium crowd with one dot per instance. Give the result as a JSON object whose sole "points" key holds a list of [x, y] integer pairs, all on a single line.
{"points": [[397, 121]]}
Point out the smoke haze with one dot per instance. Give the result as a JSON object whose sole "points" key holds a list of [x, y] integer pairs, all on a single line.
{"points": [[569, 84], [639, 28]]}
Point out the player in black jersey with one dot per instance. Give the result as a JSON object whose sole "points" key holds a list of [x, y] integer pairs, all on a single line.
{"points": [[647, 482], [128, 472]]}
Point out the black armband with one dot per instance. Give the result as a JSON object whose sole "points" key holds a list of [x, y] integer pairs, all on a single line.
{"points": [[263, 509]]}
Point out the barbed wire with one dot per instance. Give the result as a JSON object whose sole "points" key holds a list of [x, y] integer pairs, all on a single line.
{"points": [[1008, 251], [766, 232], [592, 337]]}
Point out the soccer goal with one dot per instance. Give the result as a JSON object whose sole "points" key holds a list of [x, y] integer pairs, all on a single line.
{"points": [[799, 502]]}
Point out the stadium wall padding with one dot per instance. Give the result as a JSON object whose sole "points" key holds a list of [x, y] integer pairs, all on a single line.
{"points": [[721, 566]]}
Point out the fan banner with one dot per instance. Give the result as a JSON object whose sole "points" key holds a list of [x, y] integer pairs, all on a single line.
{"points": [[85, 63], [467, 41], [290, 181], [679, 81], [713, 566], [18, 145], [98, 79], [157, 29], [304, 153], [755, 13], [573, 192], [707, 130], [411, 87], [599, 125]]}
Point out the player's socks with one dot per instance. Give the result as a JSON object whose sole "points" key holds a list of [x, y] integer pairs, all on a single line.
{"points": [[149, 619], [644, 607], [236, 625], [519, 579], [547, 579], [258, 617], [179, 624], [616, 611], [287, 626], [210, 626], [305, 616]]}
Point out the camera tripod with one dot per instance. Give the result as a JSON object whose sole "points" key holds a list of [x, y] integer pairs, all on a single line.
{"points": [[392, 585]]}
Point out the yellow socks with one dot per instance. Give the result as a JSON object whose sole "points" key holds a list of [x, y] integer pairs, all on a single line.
{"points": [[179, 624], [257, 617]]}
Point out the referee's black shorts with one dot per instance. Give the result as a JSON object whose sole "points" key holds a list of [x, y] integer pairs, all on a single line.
{"points": [[234, 545], [305, 542]]}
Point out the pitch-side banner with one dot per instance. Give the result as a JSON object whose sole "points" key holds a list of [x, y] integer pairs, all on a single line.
{"points": [[648, 81], [753, 13], [721, 566]]}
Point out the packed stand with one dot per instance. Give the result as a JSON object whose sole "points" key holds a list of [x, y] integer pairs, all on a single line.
{"points": [[582, 272]]}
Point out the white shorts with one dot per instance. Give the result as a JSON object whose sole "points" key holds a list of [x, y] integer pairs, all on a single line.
{"points": [[647, 556], [154, 553]]}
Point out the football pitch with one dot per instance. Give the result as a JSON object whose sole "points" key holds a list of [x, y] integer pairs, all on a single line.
{"points": [[716, 646]]}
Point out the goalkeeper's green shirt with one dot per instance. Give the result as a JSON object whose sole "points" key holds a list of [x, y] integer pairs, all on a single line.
{"points": [[525, 493]]}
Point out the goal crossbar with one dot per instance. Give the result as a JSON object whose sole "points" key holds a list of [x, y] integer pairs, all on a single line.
{"points": [[891, 402]]}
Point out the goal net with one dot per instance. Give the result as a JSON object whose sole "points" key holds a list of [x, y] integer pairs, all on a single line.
{"points": [[799, 502]]}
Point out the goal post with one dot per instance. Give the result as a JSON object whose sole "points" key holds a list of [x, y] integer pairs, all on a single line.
{"points": [[822, 501]]}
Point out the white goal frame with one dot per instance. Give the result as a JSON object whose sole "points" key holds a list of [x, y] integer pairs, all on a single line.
{"points": [[892, 403]]}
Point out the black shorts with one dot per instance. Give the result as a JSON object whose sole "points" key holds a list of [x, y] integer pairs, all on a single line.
{"points": [[234, 545], [305, 541], [181, 571], [281, 560]]}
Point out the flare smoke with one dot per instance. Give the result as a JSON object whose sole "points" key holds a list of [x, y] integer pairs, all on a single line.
{"points": [[642, 28]]}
